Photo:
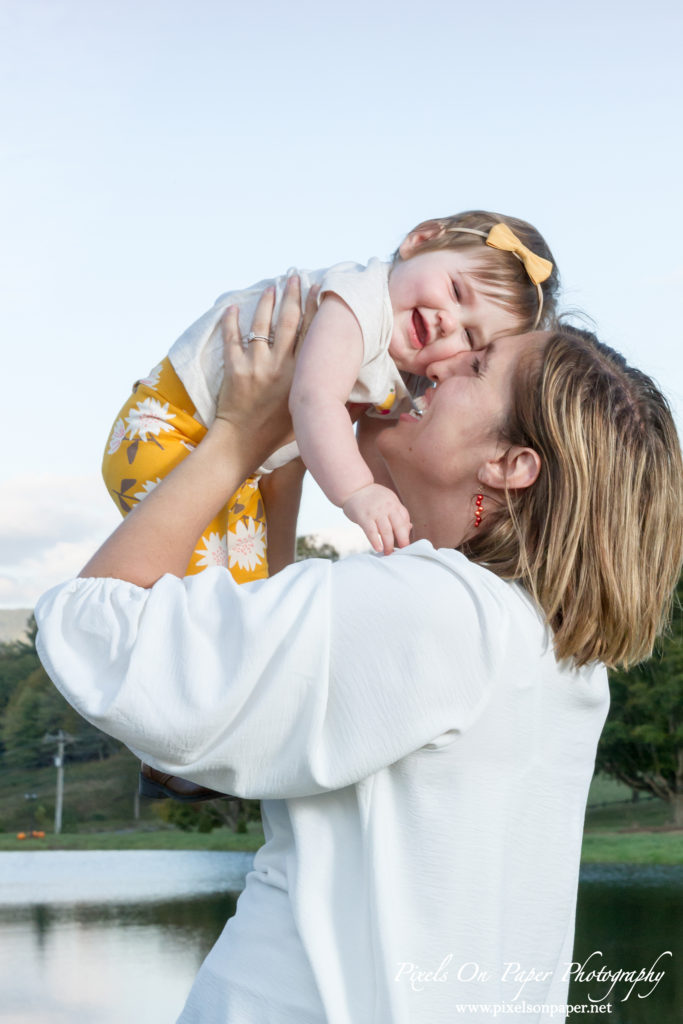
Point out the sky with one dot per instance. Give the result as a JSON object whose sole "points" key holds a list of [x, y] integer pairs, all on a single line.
{"points": [[156, 153]]}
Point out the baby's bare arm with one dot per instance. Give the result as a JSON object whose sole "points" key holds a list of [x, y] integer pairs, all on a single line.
{"points": [[367, 430], [327, 367]]}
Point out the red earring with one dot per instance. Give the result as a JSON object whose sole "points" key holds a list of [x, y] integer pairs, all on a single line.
{"points": [[477, 509]]}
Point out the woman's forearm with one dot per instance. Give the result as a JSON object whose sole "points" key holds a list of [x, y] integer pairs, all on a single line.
{"points": [[160, 534]]}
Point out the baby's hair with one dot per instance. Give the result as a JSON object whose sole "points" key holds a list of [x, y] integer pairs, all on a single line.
{"points": [[500, 275]]}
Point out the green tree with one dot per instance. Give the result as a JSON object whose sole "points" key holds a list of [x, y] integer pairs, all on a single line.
{"points": [[17, 660], [32, 710], [35, 708], [30, 707], [642, 743], [306, 547]]}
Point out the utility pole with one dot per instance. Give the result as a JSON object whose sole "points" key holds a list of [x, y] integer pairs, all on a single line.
{"points": [[59, 765], [62, 738]]}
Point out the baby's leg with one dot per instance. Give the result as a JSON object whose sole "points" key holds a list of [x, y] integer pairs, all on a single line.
{"points": [[152, 433]]}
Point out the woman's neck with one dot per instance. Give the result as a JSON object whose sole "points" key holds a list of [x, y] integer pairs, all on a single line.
{"points": [[445, 523]]}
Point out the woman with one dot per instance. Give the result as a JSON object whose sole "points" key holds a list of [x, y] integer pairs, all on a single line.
{"points": [[421, 730]]}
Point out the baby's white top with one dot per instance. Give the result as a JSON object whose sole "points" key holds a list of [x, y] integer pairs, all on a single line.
{"points": [[197, 355], [423, 758]]}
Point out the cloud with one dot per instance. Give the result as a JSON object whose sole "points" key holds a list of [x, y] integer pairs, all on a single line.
{"points": [[49, 527]]}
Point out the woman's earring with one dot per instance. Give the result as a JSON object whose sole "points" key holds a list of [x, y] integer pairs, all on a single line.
{"points": [[477, 509]]}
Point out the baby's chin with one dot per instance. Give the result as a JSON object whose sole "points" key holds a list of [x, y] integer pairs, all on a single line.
{"points": [[406, 360]]}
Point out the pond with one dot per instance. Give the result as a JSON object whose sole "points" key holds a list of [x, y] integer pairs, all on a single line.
{"points": [[632, 915], [112, 937]]}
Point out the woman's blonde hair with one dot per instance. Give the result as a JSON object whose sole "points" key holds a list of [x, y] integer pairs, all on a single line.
{"points": [[598, 539], [499, 275]]}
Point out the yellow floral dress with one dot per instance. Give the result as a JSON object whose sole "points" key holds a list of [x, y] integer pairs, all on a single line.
{"points": [[152, 433]]}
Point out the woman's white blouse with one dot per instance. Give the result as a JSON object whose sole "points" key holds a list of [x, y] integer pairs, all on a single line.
{"points": [[423, 758]]}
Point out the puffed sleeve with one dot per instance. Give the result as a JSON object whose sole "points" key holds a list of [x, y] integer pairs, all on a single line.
{"points": [[306, 682]]}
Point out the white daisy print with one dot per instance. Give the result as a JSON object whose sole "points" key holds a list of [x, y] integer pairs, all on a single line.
{"points": [[116, 438], [247, 544], [215, 553], [148, 417], [147, 488], [152, 378]]}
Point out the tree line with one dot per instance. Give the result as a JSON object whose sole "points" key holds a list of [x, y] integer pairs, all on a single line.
{"points": [[642, 742], [31, 709]]}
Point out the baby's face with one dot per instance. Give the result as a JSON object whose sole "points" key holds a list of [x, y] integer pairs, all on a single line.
{"points": [[439, 312]]}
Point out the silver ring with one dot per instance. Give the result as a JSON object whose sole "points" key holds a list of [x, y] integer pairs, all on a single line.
{"points": [[255, 337]]}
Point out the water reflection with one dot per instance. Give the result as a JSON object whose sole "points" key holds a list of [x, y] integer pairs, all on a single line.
{"points": [[74, 960], [95, 937], [105, 964], [631, 914]]}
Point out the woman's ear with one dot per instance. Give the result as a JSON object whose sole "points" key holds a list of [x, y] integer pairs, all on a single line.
{"points": [[515, 469], [422, 233]]}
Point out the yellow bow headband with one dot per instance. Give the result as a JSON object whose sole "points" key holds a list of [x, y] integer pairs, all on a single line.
{"points": [[502, 237]]}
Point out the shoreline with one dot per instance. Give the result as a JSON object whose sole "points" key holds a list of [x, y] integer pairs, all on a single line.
{"points": [[654, 846]]}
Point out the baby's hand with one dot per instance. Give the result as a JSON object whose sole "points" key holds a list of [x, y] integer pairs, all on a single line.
{"points": [[382, 516]]}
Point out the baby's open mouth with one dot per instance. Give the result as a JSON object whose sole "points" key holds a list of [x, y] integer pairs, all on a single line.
{"points": [[420, 328]]}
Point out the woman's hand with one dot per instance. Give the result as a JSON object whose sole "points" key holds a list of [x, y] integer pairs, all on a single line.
{"points": [[259, 372]]}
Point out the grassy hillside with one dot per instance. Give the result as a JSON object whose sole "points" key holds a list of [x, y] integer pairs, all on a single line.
{"points": [[98, 795], [100, 806]]}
